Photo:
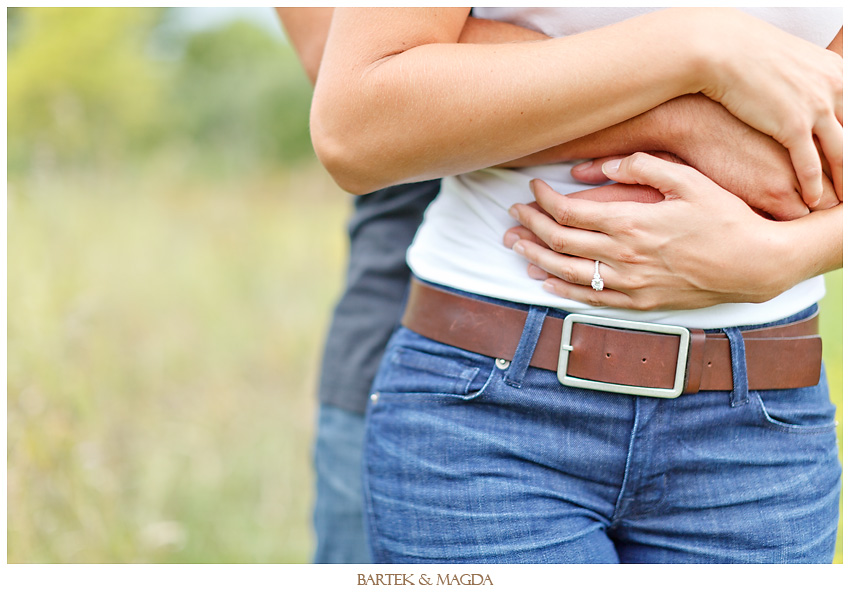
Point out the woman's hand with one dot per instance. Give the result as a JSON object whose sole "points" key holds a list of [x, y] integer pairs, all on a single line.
{"points": [[697, 247], [782, 85]]}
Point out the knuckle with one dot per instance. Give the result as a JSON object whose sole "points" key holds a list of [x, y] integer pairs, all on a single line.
{"points": [[623, 225], [794, 127], [568, 274], [811, 171], [595, 300], [634, 282], [644, 302], [562, 214], [629, 256], [639, 163], [835, 74], [558, 243], [823, 108]]}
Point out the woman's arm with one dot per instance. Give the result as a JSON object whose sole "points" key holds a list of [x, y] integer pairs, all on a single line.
{"points": [[697, 247], [388, 72]]}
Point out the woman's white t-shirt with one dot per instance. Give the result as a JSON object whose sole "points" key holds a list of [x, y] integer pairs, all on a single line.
{"points": [[460, 241]]}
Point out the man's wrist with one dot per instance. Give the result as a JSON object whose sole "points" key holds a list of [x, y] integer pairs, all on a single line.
{"points": [[487, 31], [675, 125]]}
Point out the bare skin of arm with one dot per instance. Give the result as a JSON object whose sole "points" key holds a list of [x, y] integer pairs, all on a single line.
{"points": [[742, 160], [682, 253], [387, 68], [660, 129], [706, 136], [307, 28]]}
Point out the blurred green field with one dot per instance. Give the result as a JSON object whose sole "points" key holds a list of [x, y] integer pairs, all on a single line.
{"points": [[163, 341], [162, 352]]}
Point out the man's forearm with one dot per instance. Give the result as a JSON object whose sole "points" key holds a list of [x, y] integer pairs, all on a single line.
{"points": [[655, 130], [307, 29], [487, 31]]}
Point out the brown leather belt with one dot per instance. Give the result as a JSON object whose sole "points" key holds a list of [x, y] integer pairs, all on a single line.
{"points": [[779, 357]]}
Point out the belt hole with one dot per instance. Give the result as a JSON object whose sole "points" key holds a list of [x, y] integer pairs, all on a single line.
{"points": [[643, 359], [709, 364], [608, 355]]}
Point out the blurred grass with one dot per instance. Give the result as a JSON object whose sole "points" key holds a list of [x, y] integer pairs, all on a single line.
{"points": [[162, 349], [163, 341], [832, 331]]}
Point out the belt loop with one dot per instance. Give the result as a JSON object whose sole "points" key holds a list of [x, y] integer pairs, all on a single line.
{"points": [[695, 361], [527, 344], [740, 383]]}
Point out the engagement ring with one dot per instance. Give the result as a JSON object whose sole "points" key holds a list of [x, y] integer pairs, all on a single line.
{"points": [[596, 283]]}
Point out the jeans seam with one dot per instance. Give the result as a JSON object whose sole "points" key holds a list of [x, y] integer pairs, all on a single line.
{"points": [[615, 516]]}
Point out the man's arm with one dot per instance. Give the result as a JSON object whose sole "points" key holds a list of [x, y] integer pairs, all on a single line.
{"points": [[307, 29], [837, 44]]}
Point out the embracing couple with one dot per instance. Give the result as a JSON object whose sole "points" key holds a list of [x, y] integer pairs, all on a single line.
{"points": [[583, 372]]}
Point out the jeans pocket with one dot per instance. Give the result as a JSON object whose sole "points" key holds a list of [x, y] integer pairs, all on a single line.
{"points": [[803, 410], [416, 366]]}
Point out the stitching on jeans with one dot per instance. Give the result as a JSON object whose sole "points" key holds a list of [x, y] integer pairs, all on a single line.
{"points": [[787, 427]]}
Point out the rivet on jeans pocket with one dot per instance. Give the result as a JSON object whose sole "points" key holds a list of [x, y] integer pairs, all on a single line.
{"points": [[374, 397], [502, 364]]}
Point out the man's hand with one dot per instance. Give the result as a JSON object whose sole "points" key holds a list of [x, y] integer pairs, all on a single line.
{"points": [[705, 135]]}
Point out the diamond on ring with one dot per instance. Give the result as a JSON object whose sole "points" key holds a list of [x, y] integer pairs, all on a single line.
{"points": [[596, 283]]}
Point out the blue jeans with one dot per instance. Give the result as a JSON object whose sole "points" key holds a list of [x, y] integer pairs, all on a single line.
{"points": [[338, 516], [466, 462]]}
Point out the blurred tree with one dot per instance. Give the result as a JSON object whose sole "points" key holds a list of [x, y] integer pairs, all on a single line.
{"points": [[80, 87], [88, 87], [240, 93]]}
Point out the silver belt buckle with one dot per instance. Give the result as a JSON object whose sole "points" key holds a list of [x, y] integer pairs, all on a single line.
{"points": [[681, 361]]}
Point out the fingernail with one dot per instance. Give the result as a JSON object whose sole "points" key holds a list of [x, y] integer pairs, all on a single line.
{"points": [[511, 238], [519, 248], [513, 212], [582, 166], [549, 286], [531, 184], [611, 167], [814, 204], [535, 272]]}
